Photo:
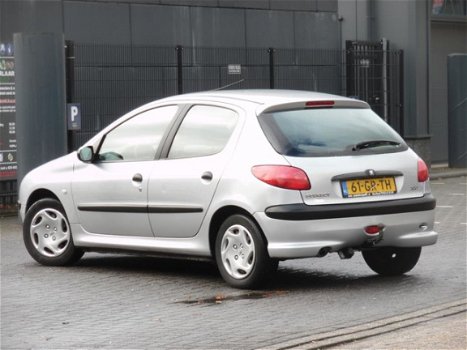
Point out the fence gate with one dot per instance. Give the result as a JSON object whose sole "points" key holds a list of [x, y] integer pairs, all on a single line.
{"points": [[374, 74]]}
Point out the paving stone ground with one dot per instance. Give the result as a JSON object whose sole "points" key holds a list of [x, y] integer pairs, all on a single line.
{"points": [[134, 302]]}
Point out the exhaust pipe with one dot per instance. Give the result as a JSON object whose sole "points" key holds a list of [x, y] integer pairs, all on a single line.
{"points": [[346, 253], [323, 252]]}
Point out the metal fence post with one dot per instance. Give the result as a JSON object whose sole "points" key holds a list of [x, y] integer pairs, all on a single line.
{"points": [[271, 67], [401, 92], [70, 83], [350, 83], [179, 50]]}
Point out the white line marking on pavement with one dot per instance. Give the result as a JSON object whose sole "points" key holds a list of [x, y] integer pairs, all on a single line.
{"points": [[457, 194], [437, 183], [463, 223], [444, 206], [437, 222]]}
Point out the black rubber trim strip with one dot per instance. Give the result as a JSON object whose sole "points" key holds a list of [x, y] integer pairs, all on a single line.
{"points": [[174, 210], [114, 209], [335, 211], [140, 209]]}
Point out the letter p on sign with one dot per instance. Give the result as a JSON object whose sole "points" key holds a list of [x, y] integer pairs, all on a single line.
{"points": [[73, 112]]}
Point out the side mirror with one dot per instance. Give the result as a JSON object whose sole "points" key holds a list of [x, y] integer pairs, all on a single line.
{"points": [[86, 154]]}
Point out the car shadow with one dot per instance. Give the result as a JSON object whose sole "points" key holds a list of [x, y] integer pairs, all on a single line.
{"points": [[286, 279], [150, 265], [302, 279]]}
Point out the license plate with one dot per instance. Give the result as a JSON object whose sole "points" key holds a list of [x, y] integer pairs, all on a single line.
{"points": [[368, 187]]}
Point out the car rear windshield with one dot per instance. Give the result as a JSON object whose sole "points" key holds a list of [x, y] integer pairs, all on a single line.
{"points": [[329, 132]]}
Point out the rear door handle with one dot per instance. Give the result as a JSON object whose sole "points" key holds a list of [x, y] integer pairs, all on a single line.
{"points": [[207, 176], [137, 178]]}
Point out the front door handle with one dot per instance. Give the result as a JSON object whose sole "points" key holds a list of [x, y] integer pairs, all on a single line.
{"points": [[137, 181], [207, 176]]}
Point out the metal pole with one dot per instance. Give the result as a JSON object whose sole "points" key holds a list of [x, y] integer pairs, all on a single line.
{"points": [[401, 92], [349, 69], [271, 67], [70, 82], [385, 80], [179, 49]]}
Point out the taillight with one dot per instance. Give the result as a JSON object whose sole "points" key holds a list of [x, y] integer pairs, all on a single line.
{"points": [[282, 176], [319, 103], [422, 171]]}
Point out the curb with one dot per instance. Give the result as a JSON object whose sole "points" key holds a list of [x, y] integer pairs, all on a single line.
{"points": [[347, 335], [447, 174]]}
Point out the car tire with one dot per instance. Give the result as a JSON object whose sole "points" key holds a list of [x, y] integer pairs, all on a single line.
{"points": [[47, 234], [392, 261], [241, 254]]}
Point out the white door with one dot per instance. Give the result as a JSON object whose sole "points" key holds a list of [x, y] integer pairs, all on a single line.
{"points": [[111, 192], [181, 187]]}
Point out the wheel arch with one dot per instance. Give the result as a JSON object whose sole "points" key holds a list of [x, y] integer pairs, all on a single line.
{"points": [[39, 194], [220, 216]]}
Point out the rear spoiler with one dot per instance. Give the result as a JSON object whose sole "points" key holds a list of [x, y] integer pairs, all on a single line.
{"points": [[347, 103]]}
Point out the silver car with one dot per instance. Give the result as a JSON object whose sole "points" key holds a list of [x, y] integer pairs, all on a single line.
{"points": [[247, 178]]}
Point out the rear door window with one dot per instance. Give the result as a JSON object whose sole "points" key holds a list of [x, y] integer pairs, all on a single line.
{"points": [[204, 131], [329, 131]]}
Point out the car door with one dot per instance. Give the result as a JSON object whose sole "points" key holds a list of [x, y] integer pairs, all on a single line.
{"points": [[181, 187], [111, 192]]}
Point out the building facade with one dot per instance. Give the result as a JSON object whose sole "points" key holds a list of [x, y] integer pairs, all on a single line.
{"points": [[426, 31]]}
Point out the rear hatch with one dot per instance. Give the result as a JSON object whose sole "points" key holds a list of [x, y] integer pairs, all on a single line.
{"points": [[348, 152]]}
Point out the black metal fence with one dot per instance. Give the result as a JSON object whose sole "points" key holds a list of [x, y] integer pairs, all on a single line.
{"points": [[109, 81], [375, 74], [8, 196]]}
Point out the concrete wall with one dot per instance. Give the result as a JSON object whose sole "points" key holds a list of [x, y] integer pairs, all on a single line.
{"points": [[210, 23], [29, 17], [411, 34], [456, 33], [355, 18]]}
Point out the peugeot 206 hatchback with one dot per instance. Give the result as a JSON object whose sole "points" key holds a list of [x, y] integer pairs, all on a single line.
{"points": [[247, 178]]}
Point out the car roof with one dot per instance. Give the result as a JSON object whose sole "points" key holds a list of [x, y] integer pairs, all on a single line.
{"points": [[261, 100], [267, 99], [261, 96]]}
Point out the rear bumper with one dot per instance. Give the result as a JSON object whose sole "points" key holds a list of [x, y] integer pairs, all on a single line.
{"points": [[306, 232], [302, 211]]}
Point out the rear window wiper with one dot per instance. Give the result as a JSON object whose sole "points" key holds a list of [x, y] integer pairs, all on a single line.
{"points": [[374, 143]]}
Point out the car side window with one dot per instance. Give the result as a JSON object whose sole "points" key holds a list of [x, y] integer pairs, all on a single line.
{"points": [[138, 138], [204, 131]]}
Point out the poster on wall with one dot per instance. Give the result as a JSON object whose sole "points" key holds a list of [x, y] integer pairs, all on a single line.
{"points": [[8, 164]]}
